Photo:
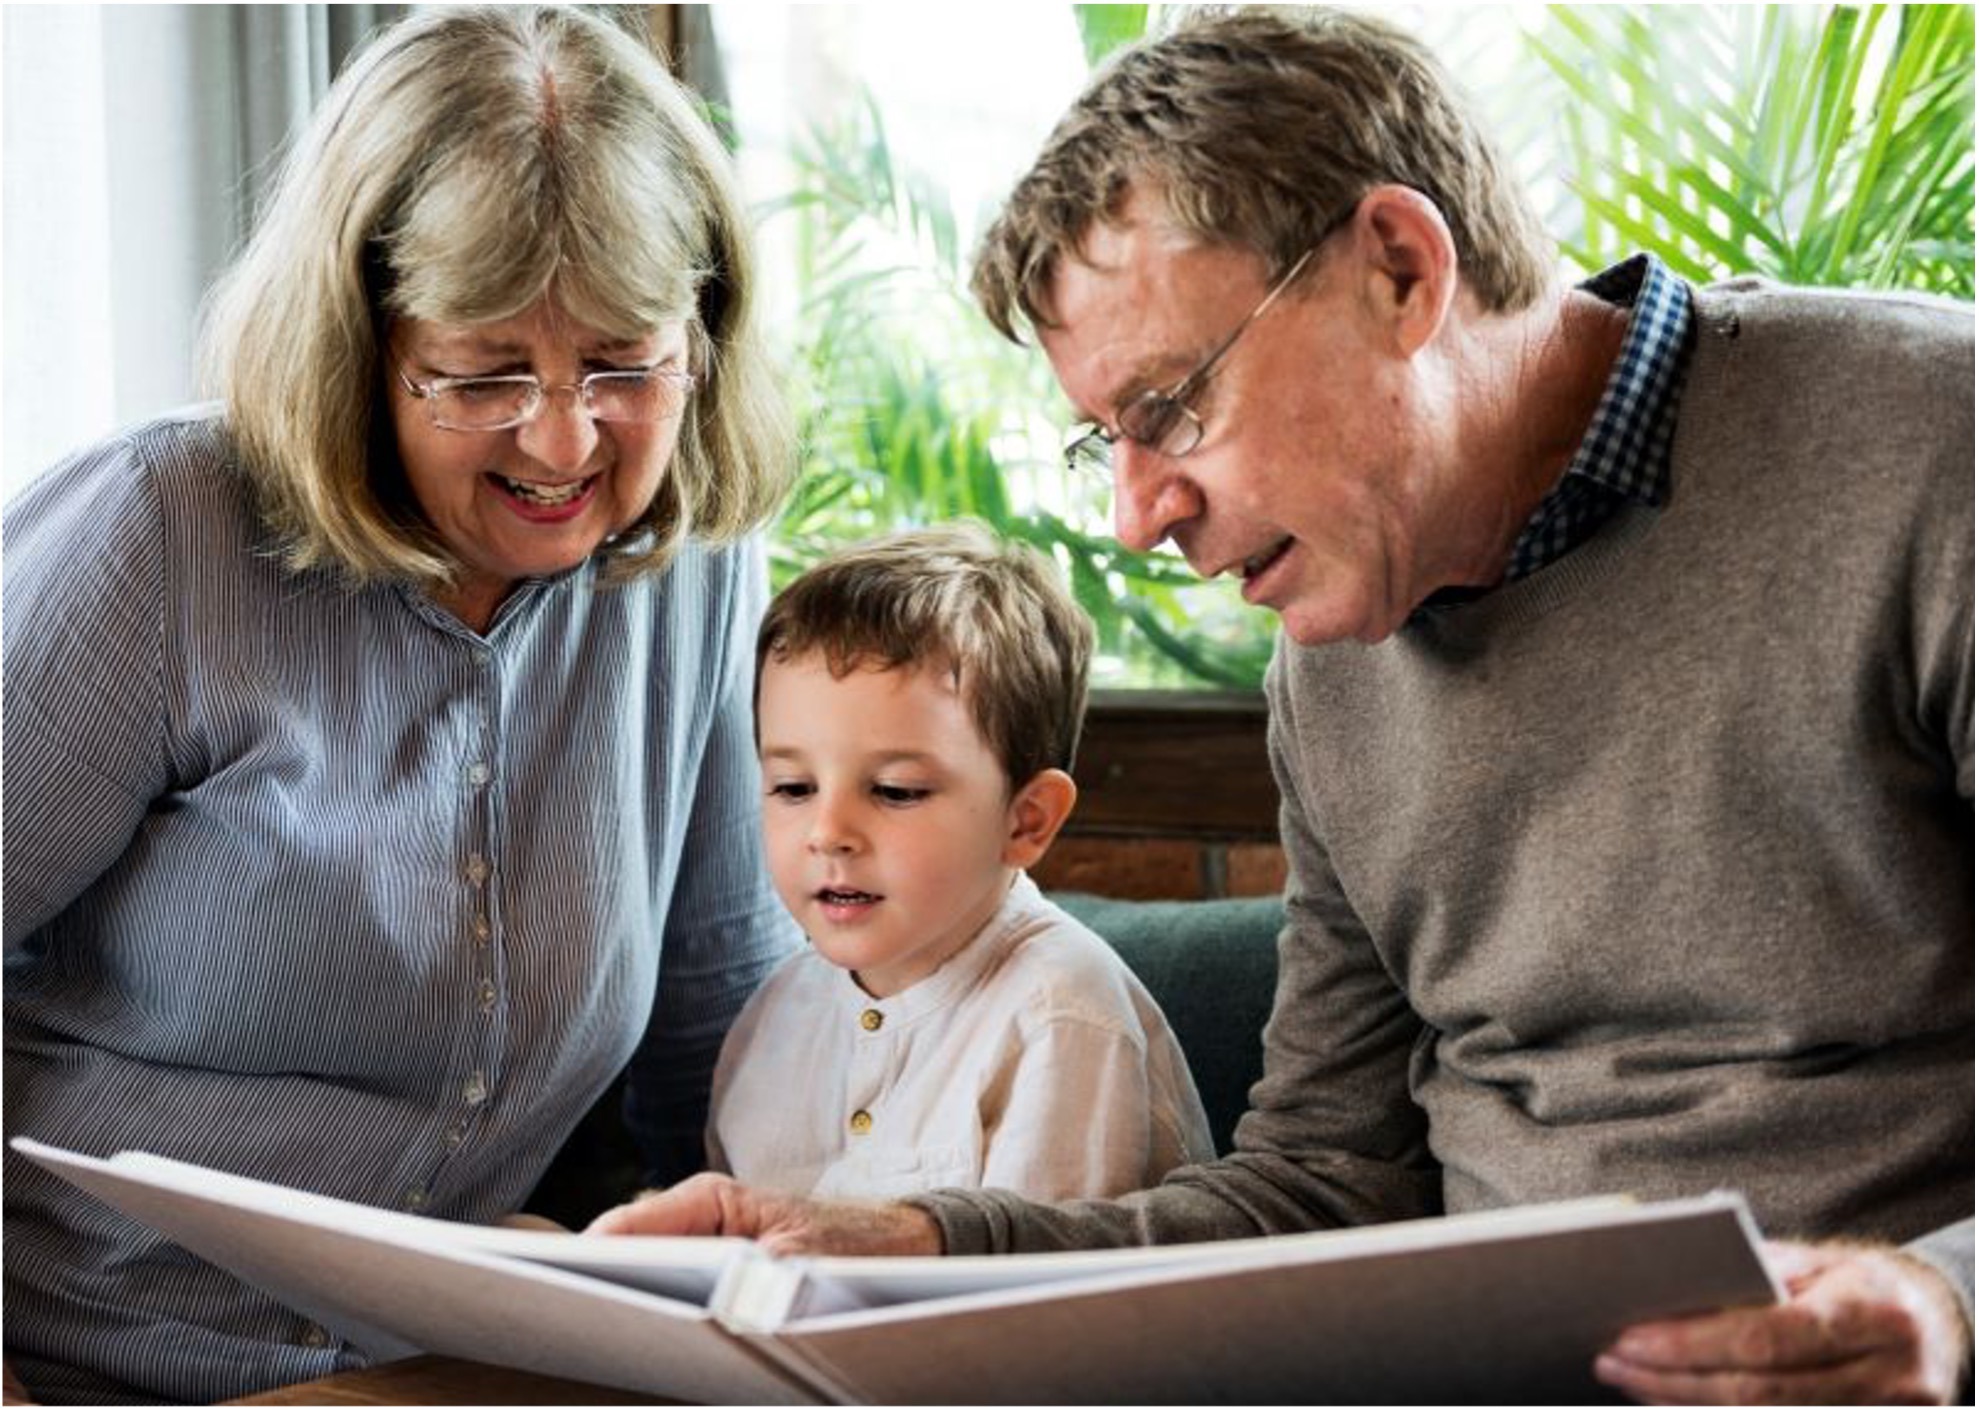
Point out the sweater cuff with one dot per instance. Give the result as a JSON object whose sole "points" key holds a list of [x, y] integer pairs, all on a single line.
{"points": [[967, 1219], [1950, 1252]]}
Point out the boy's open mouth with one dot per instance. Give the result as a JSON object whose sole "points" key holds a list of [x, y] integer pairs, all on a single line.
{"points": [[845, 897]]}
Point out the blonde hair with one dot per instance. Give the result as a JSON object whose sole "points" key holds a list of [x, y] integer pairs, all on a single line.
{"points": [[1263, 129], [993, 613], [467, 163]]}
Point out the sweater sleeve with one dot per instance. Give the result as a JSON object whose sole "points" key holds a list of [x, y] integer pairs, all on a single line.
{"points": [[1333, 1138]]}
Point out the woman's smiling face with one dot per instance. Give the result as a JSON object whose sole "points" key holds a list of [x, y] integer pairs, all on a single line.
{"points": [[541, 497]]}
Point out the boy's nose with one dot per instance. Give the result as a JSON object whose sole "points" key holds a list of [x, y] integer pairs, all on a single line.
{"points": [[831, 834]]}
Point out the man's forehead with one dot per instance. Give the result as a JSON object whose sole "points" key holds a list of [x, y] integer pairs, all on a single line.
{"points": [[1139, 232]]}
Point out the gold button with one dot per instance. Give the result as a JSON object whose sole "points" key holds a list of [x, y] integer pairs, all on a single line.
{"points": [[862, 1122], [871, 1020]]}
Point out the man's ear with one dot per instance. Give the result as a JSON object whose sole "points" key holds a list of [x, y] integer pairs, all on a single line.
{"points": [[1037, 812], [1405, 249]]}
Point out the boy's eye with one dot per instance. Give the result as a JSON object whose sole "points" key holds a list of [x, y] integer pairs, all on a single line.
{"points": [[790, 790], [900, 793]]}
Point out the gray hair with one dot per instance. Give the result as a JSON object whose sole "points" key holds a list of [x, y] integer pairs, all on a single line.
{"points": [[1261, 128]]}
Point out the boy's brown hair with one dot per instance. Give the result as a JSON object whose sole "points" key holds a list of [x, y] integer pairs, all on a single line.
{"points": [[993, 613]]}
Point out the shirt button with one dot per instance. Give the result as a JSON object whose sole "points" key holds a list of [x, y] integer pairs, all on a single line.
{"points": [[482, 931], [483, 657], [414, 1198], [870, 1020], [486, 991], [313, 1337], [477, 869], [862, 1122], [455, 1134], [476, 1091], [477, 774]]}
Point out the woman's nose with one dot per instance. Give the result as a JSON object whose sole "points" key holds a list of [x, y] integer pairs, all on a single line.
{"points": [[562, 435]]}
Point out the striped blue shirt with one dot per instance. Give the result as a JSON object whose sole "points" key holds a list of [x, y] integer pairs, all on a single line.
{"points": [[1625, 454], [314, 884]]}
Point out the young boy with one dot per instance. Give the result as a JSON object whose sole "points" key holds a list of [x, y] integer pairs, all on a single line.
{"points": [[917, 704]]}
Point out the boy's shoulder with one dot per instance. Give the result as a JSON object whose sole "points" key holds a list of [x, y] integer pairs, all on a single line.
{"points": [[1060, 967]]}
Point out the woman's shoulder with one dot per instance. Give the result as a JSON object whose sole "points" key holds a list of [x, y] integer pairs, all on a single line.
{"points": [[178, 461]]}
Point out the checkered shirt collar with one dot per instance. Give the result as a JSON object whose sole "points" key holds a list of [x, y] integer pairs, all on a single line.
{"points": [[1625, 454]]}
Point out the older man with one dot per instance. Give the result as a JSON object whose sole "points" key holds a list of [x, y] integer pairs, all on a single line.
{"points": [[1631, 841]]}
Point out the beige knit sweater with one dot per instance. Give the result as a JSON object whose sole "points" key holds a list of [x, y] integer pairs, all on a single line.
{"points": [[1652, 872]]}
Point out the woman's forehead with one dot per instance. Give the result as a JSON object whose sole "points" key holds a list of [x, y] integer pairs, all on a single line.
{"points": [[542, 324]]}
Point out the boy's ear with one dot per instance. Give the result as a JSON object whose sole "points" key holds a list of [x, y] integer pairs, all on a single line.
{"points": [[1037, 812]]}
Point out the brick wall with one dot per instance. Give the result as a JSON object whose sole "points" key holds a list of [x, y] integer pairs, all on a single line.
{"points": [[1176, 800]]}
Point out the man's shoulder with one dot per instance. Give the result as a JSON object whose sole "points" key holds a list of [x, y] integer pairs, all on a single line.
{"points": [[1905, 324], [1846, 376]]}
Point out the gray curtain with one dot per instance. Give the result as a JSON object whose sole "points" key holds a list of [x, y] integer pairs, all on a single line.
{"points": [[283, 58]]}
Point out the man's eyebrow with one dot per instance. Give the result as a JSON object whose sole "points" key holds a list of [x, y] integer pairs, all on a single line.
{"points": [[1152, 373]]}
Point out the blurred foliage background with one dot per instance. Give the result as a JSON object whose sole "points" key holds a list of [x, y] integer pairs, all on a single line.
{"points": [[1828, 145]]}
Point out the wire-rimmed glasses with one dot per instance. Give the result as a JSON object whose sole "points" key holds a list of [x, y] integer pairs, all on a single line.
{"points": [[1162, 420], [511, 400]]}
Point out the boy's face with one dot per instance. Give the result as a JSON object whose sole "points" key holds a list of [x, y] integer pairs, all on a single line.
{"points": [[892, 831]]}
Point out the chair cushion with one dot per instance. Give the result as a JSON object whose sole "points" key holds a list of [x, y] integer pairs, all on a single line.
{"points": [[1212, 966]]}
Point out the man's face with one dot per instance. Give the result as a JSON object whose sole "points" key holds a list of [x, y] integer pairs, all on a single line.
{"points": [[1304, 483]]}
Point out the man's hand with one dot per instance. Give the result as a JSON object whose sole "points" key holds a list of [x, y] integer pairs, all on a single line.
{"points": [[1860, 1324], [783, 1225]]}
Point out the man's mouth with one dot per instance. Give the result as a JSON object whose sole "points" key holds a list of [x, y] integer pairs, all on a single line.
{"points": [[845, 897], [1257, 563], [547, 496]]}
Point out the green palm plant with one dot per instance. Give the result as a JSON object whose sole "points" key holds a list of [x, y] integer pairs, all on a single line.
{"points": [[1818, 145], [912, 410]]}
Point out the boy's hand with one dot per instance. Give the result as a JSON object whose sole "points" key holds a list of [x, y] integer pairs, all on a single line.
{"points": [[1860, 1324], [711, 1205]]}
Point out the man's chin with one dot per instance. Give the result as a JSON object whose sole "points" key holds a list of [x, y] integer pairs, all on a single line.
{"points": [[1317, 624]]}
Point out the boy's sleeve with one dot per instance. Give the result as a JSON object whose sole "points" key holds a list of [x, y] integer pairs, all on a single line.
{"points": [[1077, 1118]]}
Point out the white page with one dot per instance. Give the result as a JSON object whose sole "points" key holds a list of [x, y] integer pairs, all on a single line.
{"points": [[847, 1283], [397, 1284]]}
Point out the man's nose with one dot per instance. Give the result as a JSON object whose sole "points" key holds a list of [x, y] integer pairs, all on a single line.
{"points": [[1152, 496]]}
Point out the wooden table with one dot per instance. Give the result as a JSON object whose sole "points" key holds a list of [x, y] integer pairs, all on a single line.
{"points": [[445, 1382]]}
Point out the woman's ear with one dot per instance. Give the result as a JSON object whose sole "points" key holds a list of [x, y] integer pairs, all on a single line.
{"points": [[1037, 812], [1409, 260]]}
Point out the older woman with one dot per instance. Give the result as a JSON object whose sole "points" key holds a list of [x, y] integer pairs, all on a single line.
{"points": [[378, 767]]}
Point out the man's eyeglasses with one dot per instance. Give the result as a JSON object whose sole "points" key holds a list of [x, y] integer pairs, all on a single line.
{"points": [[1163, 421], [498, 403]]}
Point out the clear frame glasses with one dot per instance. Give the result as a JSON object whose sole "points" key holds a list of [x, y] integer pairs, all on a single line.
{"points": [[1162, 420], [512, 400]]}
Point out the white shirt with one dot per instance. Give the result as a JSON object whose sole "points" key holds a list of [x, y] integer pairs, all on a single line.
{"points": [[1033, 1061]]}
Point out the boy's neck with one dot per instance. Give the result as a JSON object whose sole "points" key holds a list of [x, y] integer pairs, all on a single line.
{"points": [[969, 938]]}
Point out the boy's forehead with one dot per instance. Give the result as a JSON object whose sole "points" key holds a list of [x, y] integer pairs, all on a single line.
{"points": [[841, 662], [908, 708]]}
